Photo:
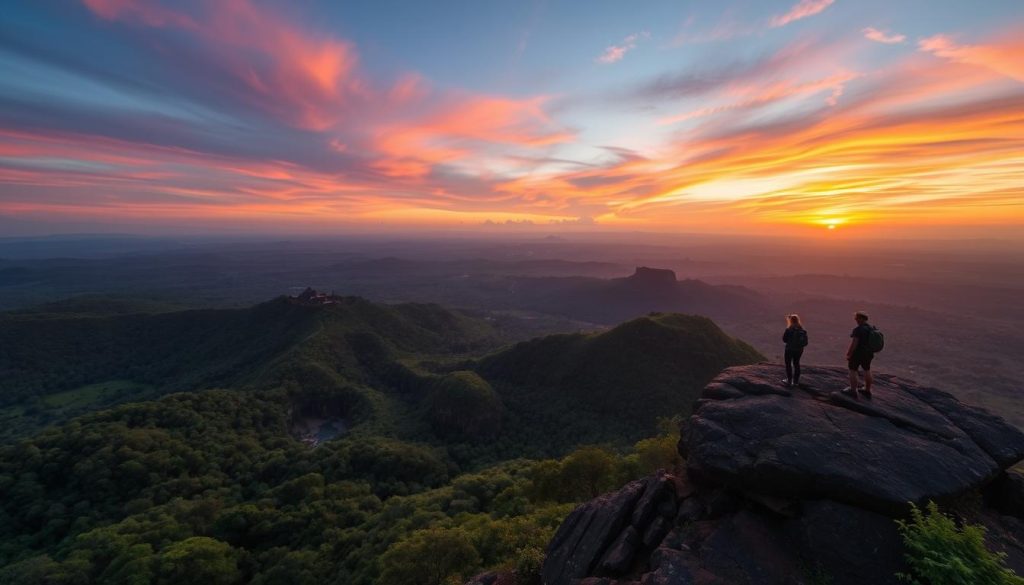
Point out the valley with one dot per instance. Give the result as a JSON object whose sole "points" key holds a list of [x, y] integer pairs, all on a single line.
{"points": [[314, 435]]}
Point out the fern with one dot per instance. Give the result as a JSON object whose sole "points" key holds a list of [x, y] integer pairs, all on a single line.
{"points": [[940, 553]]}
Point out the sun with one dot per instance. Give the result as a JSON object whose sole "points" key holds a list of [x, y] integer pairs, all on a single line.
{"points": [[830, 222]]}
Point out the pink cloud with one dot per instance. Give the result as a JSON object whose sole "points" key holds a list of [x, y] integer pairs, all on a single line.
{"points": [[615, 53], [149, 13], [1003, 57], [304, 79], [462, 128], [801, 10], [881, 36], [761, 94], [410, 87], [406, 147]]}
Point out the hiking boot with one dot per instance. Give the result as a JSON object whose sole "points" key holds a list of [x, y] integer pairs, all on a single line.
{"points": [[850, 392], [786, 382], [865, 392]]}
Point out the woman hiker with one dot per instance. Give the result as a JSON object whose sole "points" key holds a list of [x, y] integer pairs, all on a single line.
{"points": [[795, 338]]}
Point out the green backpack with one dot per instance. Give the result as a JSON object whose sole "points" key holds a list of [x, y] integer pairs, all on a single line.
{"points": [[876, 340]]}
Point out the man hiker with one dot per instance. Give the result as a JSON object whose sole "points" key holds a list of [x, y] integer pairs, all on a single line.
{"points": [[859, 355]]}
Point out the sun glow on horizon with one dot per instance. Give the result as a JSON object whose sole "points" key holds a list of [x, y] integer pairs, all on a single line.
{"points": [[283, 118]]}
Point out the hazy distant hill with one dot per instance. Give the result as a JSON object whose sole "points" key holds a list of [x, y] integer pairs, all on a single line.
{"points": [[648, 289], [234, 276]]}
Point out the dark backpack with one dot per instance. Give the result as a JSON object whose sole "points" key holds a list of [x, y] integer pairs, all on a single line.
{"points": [[876, 340], [799, 338]]}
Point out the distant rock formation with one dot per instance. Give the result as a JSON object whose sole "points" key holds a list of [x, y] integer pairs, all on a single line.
{"points": [[653, 277], [645, 291], [791, 485]]}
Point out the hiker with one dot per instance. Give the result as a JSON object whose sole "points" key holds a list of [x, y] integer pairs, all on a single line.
{"points": [[795, 338], [859, 355]]}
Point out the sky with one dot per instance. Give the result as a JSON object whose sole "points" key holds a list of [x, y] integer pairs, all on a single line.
{"points": [[817, 117]]}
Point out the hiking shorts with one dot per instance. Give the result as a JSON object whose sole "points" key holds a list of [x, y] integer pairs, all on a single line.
{"points": [[861, 360]]}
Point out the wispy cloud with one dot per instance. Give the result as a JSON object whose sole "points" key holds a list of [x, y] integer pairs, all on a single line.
{"points": [[881, 36], [232, 113], [615, 53], [260, 56], [1002, 57], [757, 95], [800, 10]]}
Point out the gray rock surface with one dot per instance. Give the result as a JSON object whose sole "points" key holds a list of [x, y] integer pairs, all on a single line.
{"points": [[796, 486], [906, 444]]}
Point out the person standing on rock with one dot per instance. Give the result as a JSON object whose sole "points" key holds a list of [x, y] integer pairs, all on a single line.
{"points": [[795, 338], [859, 356]]}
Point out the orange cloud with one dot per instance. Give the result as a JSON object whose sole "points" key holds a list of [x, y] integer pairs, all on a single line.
{"points": [[935, 137], [1003, 57], [461, 129], [864, 162]]}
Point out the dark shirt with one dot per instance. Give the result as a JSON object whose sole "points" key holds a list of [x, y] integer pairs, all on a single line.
{"points": [[790, 338], [861, 333]]}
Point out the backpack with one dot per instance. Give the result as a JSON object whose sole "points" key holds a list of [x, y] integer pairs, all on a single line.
{"points": [[799, 337], [876, 340]]}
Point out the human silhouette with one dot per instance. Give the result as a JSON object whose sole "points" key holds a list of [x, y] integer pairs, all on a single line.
{"points": [[795, 338], [859, 356]]}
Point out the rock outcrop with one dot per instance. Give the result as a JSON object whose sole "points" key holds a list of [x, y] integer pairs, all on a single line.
{"points": [[906, 444], [796, 485], [653, 277]]}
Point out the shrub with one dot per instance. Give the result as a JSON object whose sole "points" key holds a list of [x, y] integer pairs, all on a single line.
{"points": [[940, 553], [529, 562], [429, 557]]}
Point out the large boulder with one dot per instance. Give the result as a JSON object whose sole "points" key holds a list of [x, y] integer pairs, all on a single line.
{"points": [[791, 486], [850, 545], [603, 536], [742, 543], [906, 444]]}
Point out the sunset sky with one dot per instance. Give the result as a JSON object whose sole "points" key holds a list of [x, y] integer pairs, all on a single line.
{"points": [[795, 116]]}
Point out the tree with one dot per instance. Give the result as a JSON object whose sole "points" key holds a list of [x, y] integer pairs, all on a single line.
{"points": [[659, 452], [589, 471], [199, 559], [133, 567], [429, 557]]}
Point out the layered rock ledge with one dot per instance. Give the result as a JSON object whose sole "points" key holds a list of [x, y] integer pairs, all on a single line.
{"points": [[797, 485], [905, 444]]}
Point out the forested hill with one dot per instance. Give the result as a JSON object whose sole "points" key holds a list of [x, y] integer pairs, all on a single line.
{"points": [[436, 447], [56, 364], [619, 381]]}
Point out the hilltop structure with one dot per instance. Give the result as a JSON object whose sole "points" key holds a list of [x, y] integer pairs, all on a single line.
{"points": [[311, 296]]}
